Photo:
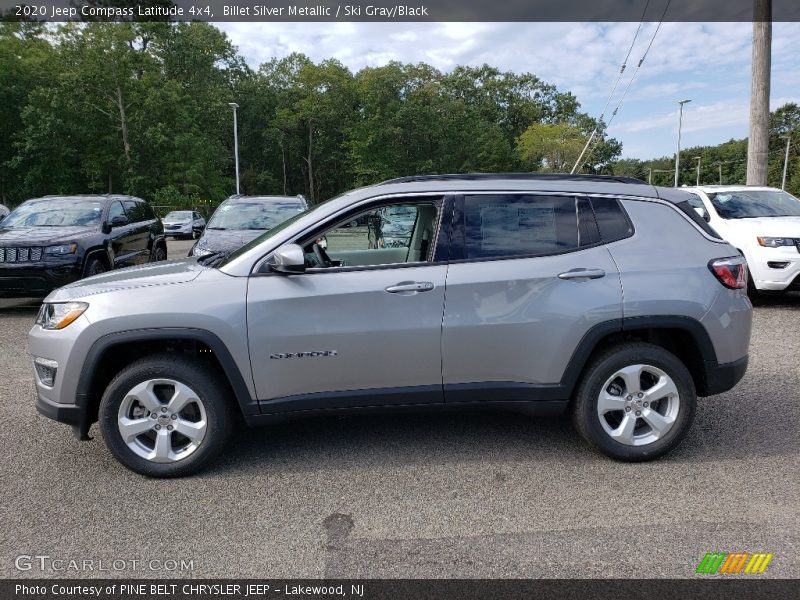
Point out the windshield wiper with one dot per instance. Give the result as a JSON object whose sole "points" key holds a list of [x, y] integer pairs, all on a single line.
{"points": [[217, 228], [214, 259]]}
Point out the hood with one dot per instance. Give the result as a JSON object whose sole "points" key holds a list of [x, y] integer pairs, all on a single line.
{"points": [[765, 226], [225, 240], [42, 236], [185, 221], [161, 273]]}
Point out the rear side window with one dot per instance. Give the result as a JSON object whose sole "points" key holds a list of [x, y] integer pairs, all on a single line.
{"points": [[147, 211], [611, 219], [133, 210], [509, 225]]}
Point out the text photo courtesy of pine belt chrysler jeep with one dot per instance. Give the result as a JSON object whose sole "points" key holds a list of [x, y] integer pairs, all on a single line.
{"points": [[605, 297]]}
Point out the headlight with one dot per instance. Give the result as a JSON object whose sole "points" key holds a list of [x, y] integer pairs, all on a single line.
{"points": [[57, 315], [201, 251], [61, 250], [773, 242]]}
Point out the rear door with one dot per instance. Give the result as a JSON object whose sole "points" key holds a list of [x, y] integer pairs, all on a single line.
{"points": [[139, 231], [121, 236], [527, 280]]}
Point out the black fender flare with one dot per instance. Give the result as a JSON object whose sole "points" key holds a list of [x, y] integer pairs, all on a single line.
{"points": [[589, 342], [83, 393]]}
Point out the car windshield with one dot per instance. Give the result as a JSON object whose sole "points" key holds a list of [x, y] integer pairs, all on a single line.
{"points": [[253, 215], [56, 212], [749, 204], [178, 215]]}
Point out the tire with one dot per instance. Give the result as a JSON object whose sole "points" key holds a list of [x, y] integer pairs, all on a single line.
{"points": [[756, 297], [195, 234], [159, 254], [620, 433], [94, 266], [156, 445]]}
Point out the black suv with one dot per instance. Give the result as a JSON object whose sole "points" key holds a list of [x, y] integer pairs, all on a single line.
{"points": [[52, 241]]}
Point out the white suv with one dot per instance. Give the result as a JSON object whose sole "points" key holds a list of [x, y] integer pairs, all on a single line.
{"points": [[763, 223]]}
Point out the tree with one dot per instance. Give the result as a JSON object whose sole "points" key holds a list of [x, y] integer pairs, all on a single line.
{"points": [[550, 146]]}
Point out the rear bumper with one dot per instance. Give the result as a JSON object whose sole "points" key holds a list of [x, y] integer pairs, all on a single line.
{"points": [[720, 378]]}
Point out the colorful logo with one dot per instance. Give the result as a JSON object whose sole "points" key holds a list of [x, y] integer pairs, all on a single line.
{"points": [[731, 564]]}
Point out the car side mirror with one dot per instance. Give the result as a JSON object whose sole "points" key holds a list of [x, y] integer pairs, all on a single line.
{"points": [[119, 221], [288, 259], [105, 227]]}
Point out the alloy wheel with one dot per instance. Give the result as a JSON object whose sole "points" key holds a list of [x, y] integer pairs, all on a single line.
{"points": [[162, 420], [638, 405]]}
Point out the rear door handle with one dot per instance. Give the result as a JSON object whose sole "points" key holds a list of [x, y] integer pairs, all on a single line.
{"points": [[410, 286], [582, 274]]}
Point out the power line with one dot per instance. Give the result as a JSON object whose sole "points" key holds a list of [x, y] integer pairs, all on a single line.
{"points": [[616, 83], [581, 161]]}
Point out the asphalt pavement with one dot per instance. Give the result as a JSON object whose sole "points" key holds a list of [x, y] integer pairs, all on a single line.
{"points": [[486, 495]]}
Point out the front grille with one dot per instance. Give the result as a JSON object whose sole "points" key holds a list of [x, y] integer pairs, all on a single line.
{"points": [[18, 255]]}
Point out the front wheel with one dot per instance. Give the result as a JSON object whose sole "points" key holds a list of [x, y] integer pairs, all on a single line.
{"points": [[636, 402], [164, 416]]}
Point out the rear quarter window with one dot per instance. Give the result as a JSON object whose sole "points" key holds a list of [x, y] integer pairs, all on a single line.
{"points": [[612, 221]]}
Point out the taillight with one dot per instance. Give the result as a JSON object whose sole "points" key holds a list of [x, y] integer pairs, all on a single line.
{"points": [[731, 272]]}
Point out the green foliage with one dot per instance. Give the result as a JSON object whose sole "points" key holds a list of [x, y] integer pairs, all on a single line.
{"points": [[144, 108], [550, 146], [727, 162]]}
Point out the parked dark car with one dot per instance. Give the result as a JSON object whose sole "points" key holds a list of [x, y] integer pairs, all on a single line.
{"points": [[52, 241], [243, 218], [3, 212]]}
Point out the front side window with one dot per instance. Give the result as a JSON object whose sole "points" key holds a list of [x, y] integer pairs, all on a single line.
{"points": [[134, 211], [400, 233], [515, 225]]}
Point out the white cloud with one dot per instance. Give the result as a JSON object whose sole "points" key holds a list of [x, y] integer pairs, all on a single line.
{"points": [[709, 62]]}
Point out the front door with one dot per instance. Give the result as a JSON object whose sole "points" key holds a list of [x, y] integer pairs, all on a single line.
{"points": [[362, 325]]}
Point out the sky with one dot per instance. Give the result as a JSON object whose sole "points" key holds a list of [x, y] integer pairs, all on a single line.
{"points": [[708, 63]]}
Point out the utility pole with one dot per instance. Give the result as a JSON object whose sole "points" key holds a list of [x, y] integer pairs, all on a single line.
{"points": [[786, 162], [678, 151], [234, 106], [720, 173], [697, 158], [650, 176], [758, 140]]}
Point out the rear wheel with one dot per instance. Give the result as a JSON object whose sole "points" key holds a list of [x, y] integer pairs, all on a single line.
{"points": [[164, 416], [94, 266], [159, 254], [635, 402]]}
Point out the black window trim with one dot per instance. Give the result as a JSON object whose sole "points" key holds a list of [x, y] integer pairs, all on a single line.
{"points": [[443, 201], [458, 241]]}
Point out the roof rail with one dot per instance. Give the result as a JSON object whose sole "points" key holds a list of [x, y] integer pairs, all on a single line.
{"points": [[519, 176]]}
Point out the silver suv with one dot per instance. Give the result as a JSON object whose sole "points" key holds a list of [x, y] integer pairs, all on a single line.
{"points": [[603, 296]]}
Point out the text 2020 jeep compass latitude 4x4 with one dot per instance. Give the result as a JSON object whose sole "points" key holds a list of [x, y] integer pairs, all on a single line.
{"points": [[605, 296]]}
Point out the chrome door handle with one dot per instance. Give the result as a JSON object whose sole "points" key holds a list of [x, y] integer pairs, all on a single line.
{"points": [[581, 274], [410, 286]]}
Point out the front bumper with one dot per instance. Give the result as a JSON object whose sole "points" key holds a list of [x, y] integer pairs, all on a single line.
{"points": [[35, 279], [775, 276], [179, 230]]}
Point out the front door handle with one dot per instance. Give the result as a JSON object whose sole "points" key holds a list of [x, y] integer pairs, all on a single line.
{"points": [[410, 287], [582, 274]]}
